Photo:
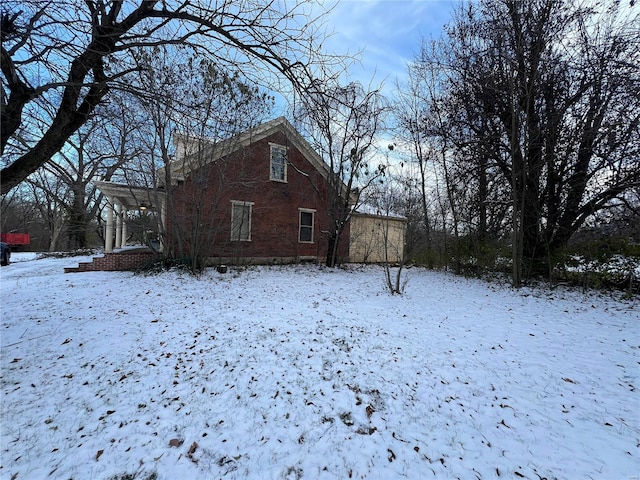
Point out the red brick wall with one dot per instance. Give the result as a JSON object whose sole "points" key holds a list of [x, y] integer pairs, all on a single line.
{"points": [[114, 262], [122, 261], [202, 206]]}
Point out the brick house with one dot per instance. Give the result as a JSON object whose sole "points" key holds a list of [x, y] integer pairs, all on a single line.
{"points": [[258, 197]]}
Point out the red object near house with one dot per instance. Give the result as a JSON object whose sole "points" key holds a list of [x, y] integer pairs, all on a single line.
{"points": [[16, 239]]}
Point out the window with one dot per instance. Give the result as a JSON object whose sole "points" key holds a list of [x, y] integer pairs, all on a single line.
{"points": [[305, 234], [278, 171], [241, 221]]}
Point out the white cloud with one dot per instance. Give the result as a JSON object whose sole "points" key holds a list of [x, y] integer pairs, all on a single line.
{"points": [[386, 32]]}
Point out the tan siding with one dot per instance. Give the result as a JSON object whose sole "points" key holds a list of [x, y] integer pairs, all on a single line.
{"points": [[368, 233]]}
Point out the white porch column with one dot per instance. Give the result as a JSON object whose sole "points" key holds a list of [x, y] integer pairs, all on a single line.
{"points": [[124, 226], [108, 234], [118, 209]]}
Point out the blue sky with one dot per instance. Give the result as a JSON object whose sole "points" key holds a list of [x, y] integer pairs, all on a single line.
{"points": [[387, 31]]}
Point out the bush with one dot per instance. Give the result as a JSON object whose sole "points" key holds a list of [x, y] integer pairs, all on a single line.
{"points": [[611, 263], [157, 266], [465, 255]]}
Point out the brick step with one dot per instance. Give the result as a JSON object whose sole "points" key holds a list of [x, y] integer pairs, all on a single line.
{"points": [[113, 262]]}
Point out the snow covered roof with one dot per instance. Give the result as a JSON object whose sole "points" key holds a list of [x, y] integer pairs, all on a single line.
{"points": [[369, 210]]}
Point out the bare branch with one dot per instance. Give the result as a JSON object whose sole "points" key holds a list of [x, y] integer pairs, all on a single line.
{"points": [[92, 44]]}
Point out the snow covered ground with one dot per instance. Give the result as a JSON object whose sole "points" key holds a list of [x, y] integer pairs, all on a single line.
{"points": [[306, 373]]}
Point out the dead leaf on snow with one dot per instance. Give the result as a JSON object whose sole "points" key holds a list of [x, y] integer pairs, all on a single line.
{"points": [[98, 454], [175, 442], [370, 410], [192, 449], [366, 430]]}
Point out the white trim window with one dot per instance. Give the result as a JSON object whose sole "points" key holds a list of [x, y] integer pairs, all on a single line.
{"points": [[241, 221], [305, 230], [278, 163]]}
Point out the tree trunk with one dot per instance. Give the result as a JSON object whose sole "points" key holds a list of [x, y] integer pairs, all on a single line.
{"points": [[332, 249], [482, 200]]}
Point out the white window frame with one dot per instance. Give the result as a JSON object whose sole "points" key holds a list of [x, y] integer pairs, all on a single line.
{"points": [[313, 221], [275, 147], [236, 233]]}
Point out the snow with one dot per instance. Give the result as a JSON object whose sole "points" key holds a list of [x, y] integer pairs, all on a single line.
{"points": [[303, 372], [614, 265]]}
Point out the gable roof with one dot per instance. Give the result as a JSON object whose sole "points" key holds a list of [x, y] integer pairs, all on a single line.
{"points": [[187, 162]]}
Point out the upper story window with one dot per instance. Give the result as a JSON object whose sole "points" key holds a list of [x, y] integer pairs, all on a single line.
{"points": [[278, 170], [241, 221]]}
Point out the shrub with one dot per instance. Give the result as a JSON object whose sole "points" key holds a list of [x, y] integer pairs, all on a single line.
{"points": [[611, 263], [159, 265]]}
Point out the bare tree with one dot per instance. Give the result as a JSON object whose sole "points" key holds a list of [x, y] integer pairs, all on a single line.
{"points": [[63, 190], [99, 152], [386, 197], [50, 195], [545, 98], [72, 54], [343, 123], [426, 121], [411, 110], [195, 108]]}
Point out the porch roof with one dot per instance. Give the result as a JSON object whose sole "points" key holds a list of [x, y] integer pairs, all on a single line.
{"points": [[132, 197]]}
